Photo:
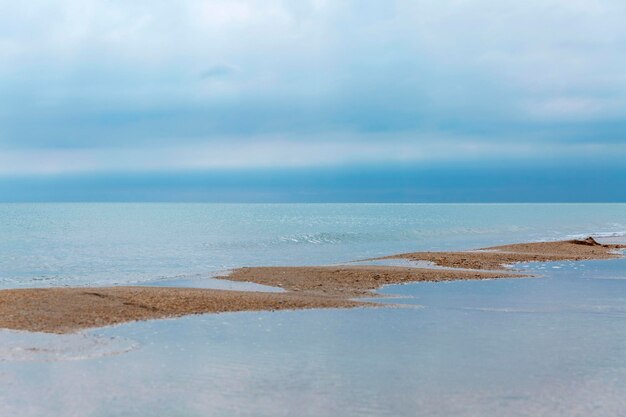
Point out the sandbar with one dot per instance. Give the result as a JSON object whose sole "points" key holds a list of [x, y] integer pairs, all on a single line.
{"points": [[497, 257], [351, 280], [65, 310]]}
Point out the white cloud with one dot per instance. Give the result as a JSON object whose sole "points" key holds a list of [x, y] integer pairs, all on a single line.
{"points": [[569, 108], [77, 75], [277, 152]]}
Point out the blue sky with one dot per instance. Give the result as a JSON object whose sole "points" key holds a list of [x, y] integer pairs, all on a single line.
{"points": [[243, 100]]}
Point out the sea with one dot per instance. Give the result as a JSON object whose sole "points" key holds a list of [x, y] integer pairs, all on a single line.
{"points": [[551, 345]]}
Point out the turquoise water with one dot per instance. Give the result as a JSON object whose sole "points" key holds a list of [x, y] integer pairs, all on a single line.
{"points": [[87, 244], [552, 346]]}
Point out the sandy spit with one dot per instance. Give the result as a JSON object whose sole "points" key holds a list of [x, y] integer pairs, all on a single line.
{"points": [[64, 310], [497, 257], [350, 281]]}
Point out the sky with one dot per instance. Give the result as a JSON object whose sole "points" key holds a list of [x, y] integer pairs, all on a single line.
{"points": [[313, 100]]}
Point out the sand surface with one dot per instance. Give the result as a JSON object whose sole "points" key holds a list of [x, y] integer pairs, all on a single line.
{"points": [[499, 256], [350, 281], [63, 310]]}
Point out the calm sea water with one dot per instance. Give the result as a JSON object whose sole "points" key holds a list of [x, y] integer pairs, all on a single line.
{"points": [[552, 346], [87, 244]]}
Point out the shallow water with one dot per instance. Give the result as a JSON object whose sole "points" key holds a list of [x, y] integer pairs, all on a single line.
{"points": [[549, 346], [553, 345]]}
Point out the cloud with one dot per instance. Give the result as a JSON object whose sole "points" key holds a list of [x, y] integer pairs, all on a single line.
{"points": [[105, 85], [266, 152]]}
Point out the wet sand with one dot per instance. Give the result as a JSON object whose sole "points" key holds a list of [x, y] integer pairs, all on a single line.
{"points": [[63, 310]]}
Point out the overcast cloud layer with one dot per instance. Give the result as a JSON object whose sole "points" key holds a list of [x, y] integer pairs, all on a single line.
{"points": [[115, 86]]}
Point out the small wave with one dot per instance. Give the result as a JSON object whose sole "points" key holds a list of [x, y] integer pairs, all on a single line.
{"points": [[597, 235], [323, 238], [332, 238]]}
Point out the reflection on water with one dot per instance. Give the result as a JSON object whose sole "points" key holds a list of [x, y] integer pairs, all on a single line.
{"points": [[41, 347], [551, 346]]}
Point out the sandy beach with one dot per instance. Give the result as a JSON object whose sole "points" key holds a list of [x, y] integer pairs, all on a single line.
{"points": [[64, 310]]}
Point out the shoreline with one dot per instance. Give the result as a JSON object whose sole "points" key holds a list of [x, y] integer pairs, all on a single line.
{"points": [[66, 310]]}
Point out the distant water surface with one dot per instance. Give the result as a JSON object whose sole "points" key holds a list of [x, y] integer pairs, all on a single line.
{"points": [[98, 244]]}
